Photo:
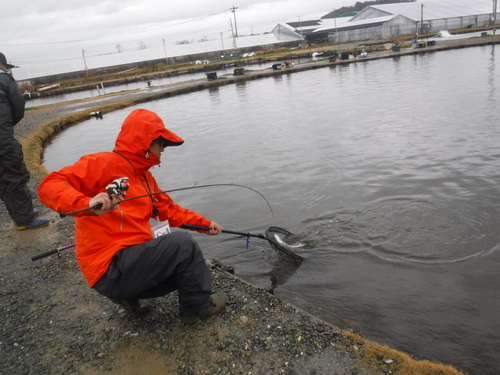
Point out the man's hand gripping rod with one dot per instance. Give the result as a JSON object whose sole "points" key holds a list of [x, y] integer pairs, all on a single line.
{"points": [[117, 187]]}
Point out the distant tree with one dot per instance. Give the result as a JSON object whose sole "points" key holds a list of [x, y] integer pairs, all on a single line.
{"points": [[359, 6], [119, 48], [142, 45]]}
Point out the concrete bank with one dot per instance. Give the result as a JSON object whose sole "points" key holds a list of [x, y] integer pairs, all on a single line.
{"points": [[53, 324]]}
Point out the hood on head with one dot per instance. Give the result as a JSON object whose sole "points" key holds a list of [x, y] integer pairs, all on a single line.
{"points": [[140, 128]]}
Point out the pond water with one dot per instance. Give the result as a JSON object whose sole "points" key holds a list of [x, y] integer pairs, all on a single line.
{"points": [[104, 88], [389, 169]]}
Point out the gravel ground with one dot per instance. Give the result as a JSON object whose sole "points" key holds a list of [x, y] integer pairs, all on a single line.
{"points": [[52, 323]]}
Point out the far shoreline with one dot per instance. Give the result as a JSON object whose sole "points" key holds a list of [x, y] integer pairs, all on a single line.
{"points": [[353, 49]]}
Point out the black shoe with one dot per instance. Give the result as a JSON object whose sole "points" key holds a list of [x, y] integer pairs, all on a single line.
{"points": [[133, 305], [217, 303]]}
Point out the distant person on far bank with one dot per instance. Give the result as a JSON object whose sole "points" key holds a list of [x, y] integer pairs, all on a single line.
{"points": [[14, 176]]}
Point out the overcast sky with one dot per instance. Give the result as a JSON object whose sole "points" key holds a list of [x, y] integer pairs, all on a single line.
{"points": [[51, 30], [34, 30]]}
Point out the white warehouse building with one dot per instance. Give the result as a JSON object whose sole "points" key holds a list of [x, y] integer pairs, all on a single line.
{"points": [[394, 20]]}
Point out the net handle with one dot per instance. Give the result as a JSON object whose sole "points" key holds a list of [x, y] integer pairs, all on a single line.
{"points": [[198, 227], [274, 243]]}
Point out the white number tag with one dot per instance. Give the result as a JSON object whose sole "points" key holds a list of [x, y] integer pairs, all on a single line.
{"points": [[161, 229]]}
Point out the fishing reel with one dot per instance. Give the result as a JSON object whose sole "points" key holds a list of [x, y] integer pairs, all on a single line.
{"points": [[118, 187]]}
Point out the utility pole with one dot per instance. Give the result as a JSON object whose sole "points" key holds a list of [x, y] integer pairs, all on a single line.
{"points": [[300, 26], [222, 40], [422, 20], [165, 49], [232, 33], [85, 64], [336, 31], [233, 9], [494, 18]]}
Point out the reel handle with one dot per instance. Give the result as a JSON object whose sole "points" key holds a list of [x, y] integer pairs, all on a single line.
{"points": [[97, 206]]}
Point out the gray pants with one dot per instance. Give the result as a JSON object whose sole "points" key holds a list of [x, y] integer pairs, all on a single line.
{"points": [[14, 177], [158, 267]]}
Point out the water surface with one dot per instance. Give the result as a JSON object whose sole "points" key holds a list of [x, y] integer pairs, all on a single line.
{"points": [[388, 168]]}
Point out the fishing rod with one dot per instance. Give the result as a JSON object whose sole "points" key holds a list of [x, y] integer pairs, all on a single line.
{"points": [[56, 251], [120, 185], [23, 136], [280, 239]]}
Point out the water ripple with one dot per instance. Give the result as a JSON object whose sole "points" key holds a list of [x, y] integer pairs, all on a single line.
{"points": [[409, 230]]}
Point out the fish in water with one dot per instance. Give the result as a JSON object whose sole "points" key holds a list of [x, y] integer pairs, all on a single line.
{"points": [[282, 243]]}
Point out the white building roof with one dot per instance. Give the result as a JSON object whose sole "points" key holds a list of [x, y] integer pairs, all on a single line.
{"points": [[332, 23], [351, 24], [433, 10]]}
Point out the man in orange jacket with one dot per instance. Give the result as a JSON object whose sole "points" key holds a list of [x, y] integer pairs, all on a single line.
{"points": [[115, 247]]}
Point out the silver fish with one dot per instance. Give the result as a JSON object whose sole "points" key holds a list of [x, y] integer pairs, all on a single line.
{"points": [[286, 245]]}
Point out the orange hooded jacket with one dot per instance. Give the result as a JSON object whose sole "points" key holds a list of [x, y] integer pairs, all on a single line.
{"points": [[100, 237]]}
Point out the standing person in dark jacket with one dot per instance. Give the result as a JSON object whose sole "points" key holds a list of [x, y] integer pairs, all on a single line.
{"points": [[14, 175]]}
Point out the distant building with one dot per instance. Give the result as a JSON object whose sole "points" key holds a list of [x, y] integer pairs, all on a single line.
{"points": [[394, 20]]}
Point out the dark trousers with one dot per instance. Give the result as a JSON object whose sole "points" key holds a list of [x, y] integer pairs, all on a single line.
{"points": [[157, 267], [14, 177]]}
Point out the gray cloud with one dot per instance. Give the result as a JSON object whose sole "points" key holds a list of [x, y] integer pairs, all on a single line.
{"points": [[40, 29]]}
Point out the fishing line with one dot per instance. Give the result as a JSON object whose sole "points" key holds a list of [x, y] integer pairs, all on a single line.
{"points": [[196, 186], [213, 185]]}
